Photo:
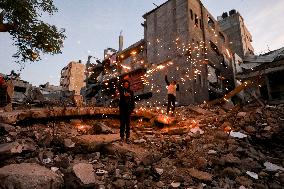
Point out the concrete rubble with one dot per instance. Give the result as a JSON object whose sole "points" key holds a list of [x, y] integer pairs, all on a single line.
{"points": [[29, 175], [202, 148]]}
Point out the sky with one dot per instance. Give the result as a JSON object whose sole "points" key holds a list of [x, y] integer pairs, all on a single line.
{"points": [[93, 25]]}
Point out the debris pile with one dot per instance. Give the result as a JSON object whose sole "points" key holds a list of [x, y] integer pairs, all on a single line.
{"points": [[201, 148]]}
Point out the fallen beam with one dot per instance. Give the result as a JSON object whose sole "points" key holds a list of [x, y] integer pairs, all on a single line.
{"points": [[234, 92], [55, 112]]}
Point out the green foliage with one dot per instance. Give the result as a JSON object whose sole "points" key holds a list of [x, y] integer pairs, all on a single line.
{"points": [[21, 18]]}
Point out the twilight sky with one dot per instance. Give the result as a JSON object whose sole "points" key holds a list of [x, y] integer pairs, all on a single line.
{"points": [[93, 25]]}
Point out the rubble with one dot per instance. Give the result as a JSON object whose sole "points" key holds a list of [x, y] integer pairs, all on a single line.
{"points": [[252, 174], [272, 167], [85, 173], [237, 134], [175, 184], [213, 149], [68, 143], [29, 175], [200, 175]]}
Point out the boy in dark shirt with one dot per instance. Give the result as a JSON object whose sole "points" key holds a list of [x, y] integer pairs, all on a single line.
{"points": [[126, 107]]}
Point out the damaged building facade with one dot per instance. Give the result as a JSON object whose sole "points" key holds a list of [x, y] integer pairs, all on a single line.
{"points": [[185, 41], [104, 76], [266, 74], [232, 24], [73, 77]]}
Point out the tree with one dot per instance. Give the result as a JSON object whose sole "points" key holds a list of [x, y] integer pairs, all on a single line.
{"points": [[31, 36]]}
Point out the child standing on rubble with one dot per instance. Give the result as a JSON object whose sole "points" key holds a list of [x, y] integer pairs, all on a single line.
{"points": [[126, 107], [173, 87]]}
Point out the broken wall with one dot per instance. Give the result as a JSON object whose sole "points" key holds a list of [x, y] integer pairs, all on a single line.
{"points": [[185, 33]]}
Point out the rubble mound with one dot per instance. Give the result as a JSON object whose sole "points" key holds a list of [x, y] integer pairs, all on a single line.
{"points": [[200, 147]]}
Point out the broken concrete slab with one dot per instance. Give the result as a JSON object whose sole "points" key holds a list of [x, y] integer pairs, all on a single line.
{"points": [[106, 138], [68, 143], [85, 173], [17, 147], [101, 128], [230, 159], [94, 143], [29, 175], [200, 175], [127, 150], [7, 127], [10, 148]]}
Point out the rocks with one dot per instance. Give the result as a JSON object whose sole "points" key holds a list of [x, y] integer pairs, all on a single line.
{"points": [[267, 128], [197, 130], [244, 181], [62, 161], [241, 114], [281, 178], [156, 173], [68, 143], [201, 163], [10, 148], [231, 172], [159, 171], [28, 145], [221, 135], [226, 124], [138, 172], [27, 175], [175, 184], [252, 174], [230, 159], [228, 105], [151, 158], [176, 131], [139, 141], [160, 184], [93, 143], [8, 128], [101, 128], [17, 147], [85, 173], [250, 164], [212, 152], [119, 183], [250, 129], [237, 134], [167, 157], [272, 167], [200, 175]]}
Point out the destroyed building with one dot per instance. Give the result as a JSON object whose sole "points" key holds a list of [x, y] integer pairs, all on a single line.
{"points": [[104, 76], [132, 63], [72, 77], [21, 92], [240, 38], [266, 74], [51, 92], [185, 39], [181, 39]]}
